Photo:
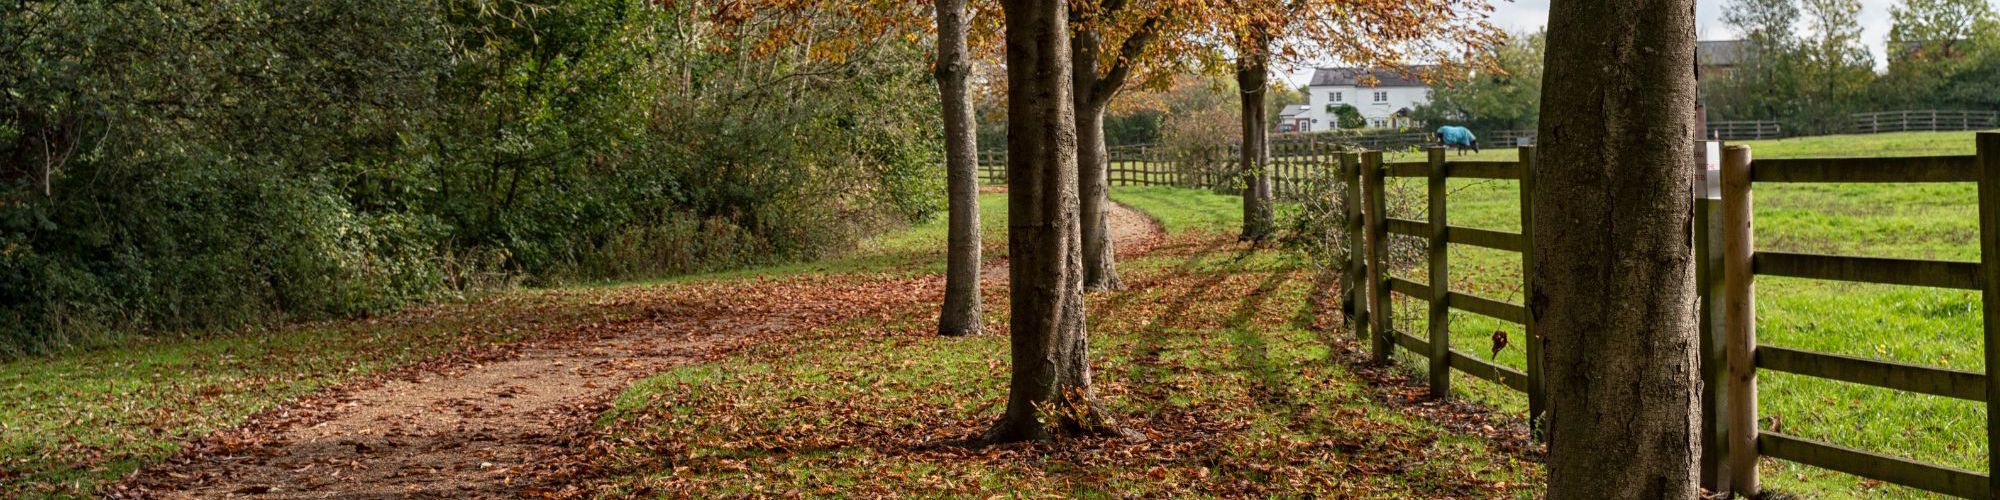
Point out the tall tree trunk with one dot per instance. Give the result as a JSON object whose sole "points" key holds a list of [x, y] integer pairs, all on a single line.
{"points": [[1051, 363], [960, 314], [1614, 261], [1100, 265], [1253, 81]]}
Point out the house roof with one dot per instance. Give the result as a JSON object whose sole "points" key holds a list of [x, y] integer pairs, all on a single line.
{"points": [[1294, 110], [1911, 47], [1356, 76], [1722, 52]]}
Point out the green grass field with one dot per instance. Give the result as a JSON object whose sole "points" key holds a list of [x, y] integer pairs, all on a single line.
{"points": [[1912, 325]]}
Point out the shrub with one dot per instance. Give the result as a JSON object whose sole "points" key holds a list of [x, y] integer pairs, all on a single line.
{"points": [[183, 164]]}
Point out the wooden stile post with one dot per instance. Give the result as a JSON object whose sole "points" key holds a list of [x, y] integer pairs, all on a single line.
{"points": [[1380, 308], [1440, 279], [1989, 268], [1740, 319], [1710, 292], [1532, 339], [1357, 251]]}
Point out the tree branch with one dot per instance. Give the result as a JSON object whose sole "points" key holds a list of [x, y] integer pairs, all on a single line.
{"points": [[1128, 53]]}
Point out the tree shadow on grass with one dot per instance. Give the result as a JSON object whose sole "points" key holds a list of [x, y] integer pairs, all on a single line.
{"points": [[1324, 299], [1154, 337], [1269, 383]]}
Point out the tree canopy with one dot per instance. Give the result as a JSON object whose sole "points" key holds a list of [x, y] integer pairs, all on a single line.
{"points": [[1506, 97], [1942, 54]]}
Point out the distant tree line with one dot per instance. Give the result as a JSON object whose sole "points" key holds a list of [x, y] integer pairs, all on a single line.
{"points": [[1942, 54], [211, 163]]}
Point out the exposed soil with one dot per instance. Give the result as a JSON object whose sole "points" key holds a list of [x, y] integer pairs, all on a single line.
{"points": [[470, 425], [1131, 229]]}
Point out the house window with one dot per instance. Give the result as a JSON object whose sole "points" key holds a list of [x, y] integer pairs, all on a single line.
{"points": [[1335, 96], [1381, 96]]}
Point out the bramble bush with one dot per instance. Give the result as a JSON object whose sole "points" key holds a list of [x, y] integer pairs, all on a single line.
{"points": [[187, 165]]}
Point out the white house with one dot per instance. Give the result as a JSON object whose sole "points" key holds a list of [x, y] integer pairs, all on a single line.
{"points": [[1385, 97], [1293, 119]]}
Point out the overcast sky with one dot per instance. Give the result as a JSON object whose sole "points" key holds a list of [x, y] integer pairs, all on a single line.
{"points": [[1532, 15]]}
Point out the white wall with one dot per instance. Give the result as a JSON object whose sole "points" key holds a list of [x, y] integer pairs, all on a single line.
{"points": [[1363, 99]]}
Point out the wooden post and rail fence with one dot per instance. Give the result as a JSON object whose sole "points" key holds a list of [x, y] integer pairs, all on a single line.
{"points": [[1141, 165], [1742, 262], [1727, 264], [1295, 161], [1435, 346], [1931, 120]]}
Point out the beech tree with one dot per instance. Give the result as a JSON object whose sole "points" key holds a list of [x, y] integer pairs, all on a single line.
{"points": [[1112, 43], [960, 314], [1050, 391], [1614, 263], [1253, 80]]}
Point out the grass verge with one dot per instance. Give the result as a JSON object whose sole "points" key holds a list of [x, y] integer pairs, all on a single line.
{"points": [[71, 422], [1212, 352]]}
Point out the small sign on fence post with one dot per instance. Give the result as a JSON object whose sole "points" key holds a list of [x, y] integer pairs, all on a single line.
{"points": [[1708, 170]]}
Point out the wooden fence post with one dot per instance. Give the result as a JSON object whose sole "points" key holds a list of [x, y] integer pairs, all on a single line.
{"points": [[1740, 319], [1709, 289], [1989, 268], [1145, 167], [1350, 196], [1537, 393], [1380, 309], [1440, 278]]}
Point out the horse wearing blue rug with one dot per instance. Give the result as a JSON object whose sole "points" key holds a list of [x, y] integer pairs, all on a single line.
{"points": [[1458, 137]]}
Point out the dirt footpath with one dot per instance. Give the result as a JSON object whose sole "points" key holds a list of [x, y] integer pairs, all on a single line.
{"points": [[470, 428]]}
